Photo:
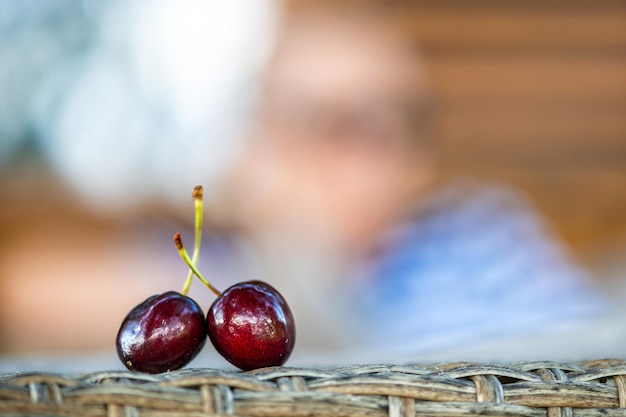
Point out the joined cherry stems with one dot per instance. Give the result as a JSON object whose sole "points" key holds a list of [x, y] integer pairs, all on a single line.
{"points": [[185, 256]]}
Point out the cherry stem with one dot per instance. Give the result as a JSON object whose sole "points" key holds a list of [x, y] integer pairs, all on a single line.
{"points": [[185, 256], [197, 196]]}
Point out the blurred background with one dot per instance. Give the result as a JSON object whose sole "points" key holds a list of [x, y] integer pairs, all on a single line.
{"points": [[111, 112]]}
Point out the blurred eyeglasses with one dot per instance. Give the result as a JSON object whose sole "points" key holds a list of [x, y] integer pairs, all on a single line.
{"points": [[373, 123]]}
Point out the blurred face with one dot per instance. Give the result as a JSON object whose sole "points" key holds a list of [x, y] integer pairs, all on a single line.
{"points": [[337, 153]]}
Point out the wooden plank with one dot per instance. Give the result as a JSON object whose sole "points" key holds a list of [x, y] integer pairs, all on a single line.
{"points": [[533, 125], [576, 29], [539, 77], [534, 159], [499, 4]]}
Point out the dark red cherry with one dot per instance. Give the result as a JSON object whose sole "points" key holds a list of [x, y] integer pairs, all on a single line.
{"points": [[163, 333], [251, 326]]}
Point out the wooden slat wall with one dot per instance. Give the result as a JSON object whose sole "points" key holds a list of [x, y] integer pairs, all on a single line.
{"points": [[533, 93]]}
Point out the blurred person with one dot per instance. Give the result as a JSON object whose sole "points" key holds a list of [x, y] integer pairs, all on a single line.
{"points": [[339, 192]]}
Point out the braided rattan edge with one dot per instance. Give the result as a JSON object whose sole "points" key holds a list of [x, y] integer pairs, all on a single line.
{"points": [[451, 389]]}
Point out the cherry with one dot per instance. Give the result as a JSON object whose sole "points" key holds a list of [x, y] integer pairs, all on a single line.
{"points": [[163, 333], [251, 326], [166, 331]]}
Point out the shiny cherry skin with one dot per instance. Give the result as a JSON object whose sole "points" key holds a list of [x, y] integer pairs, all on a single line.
{"points": [[251, 326], [163, 333]]}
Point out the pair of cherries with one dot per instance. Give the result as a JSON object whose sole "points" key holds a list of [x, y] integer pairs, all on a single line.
{"points": [[250, 324]]}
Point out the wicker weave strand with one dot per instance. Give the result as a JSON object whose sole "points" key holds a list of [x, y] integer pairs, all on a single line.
{"points": [[529, 389]]}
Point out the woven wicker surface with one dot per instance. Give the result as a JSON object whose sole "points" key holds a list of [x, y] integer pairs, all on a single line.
{"points": [[527, 389]]}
